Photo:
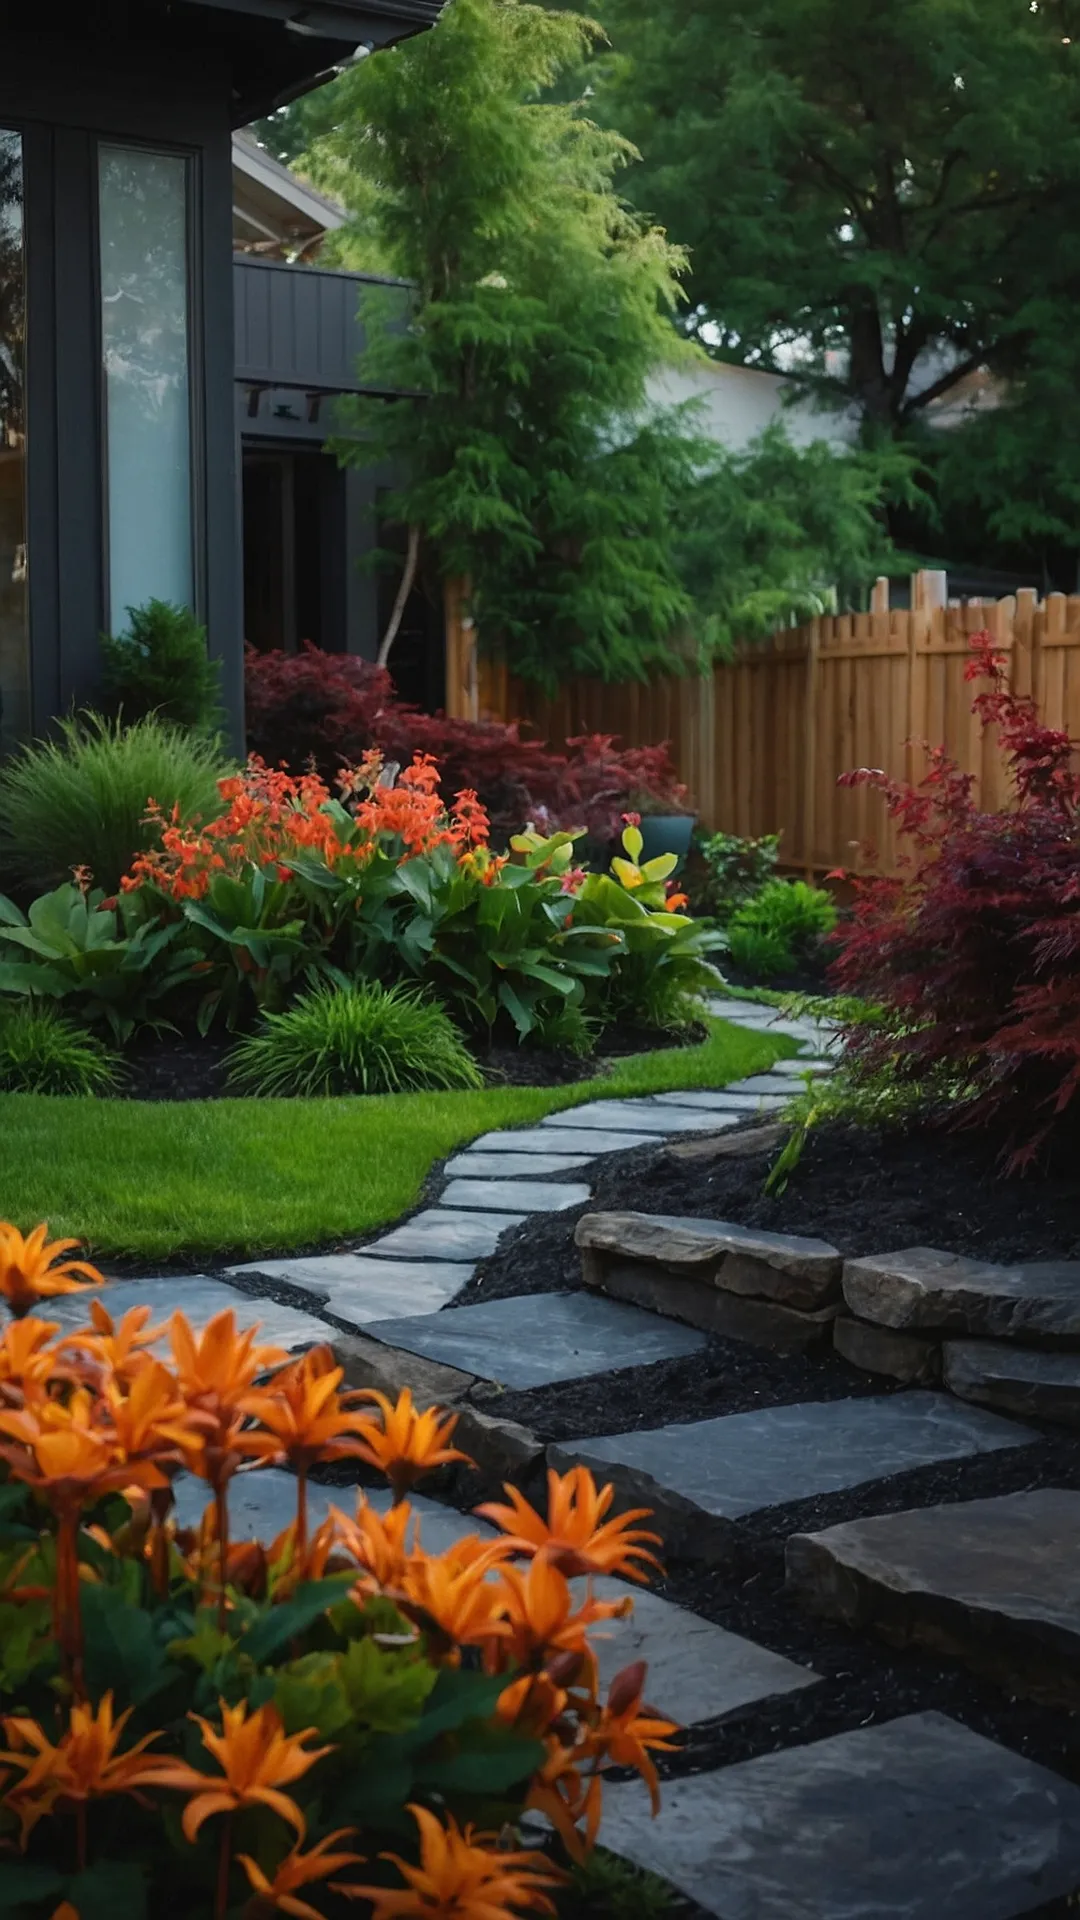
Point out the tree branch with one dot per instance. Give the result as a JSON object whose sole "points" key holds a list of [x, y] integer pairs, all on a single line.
{"points": [[408, 578]]}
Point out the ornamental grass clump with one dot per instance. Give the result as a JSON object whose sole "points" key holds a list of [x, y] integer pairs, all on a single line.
{"points": [[354, 1039], [204, 1726], [41, 1052]]}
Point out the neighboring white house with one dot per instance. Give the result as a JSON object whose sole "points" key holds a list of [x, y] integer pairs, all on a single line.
{"points": [[738, 403]]}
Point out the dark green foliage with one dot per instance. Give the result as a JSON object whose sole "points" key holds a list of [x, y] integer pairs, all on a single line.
{"points": [[40, 1052], [875, 198], [780, 926], [80, 799], [735, 869], [115, 963], [606, 1888], [160, 665], [362, 1039]]}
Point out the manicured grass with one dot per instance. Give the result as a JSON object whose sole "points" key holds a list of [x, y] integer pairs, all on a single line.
{"points": [[161, 1181]]}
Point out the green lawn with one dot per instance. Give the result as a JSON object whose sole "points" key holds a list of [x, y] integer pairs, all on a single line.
{"points": [[161, 1180]]}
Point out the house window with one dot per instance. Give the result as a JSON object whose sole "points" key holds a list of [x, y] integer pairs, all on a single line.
{"points": [[145, 331], [14, 623]]}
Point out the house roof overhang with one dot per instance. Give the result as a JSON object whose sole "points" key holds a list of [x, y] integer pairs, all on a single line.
{"points": [[280, 48]]}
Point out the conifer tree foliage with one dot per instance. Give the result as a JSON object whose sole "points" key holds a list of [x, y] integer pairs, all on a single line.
{"points": [[884, 193]]}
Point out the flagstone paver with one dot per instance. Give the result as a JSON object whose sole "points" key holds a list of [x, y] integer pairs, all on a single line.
{"points": [[993, 1582], [697, 1671], [445, 1234], [533, 1339], [358, 1288], [796, 1068], [478, 1163], [200, 1299], [590, 1140], [918, 1819], [511, 1196], [925, 1290], [721, 1470], [768, 1083], [993, 1373], [744, 1098], [638, 1116], [263, 1504]]}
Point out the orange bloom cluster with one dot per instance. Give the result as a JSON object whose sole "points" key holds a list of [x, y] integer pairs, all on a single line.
{"points": [[99, 1411], [272, 817]]}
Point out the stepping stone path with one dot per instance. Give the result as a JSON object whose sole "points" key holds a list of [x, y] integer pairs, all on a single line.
{"points": [[200, 1299], [922, 1289], [512, 1196], [918, 1819], [702, 1476], [534, 1339], [994, 1583], [1040, 1386], [358, 1288]]}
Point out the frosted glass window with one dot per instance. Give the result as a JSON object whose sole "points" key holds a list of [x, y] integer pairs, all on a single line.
{"points": [[14, 622], [145, 327]]}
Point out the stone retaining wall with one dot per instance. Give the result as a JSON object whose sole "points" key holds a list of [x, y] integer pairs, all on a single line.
{"points": [[1002, 1337]]}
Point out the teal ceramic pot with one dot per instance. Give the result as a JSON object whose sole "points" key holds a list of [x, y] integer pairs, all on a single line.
{"points": [[667, 833]]}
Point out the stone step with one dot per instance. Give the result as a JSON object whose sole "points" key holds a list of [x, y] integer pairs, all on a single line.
{"points": [[478, 1163], [996, 1583], [635, 1116], [916, 1819], [1038, 1386], [512, 1196], [534, 1339], [798, 1068], [772, 1290], [742, 1098], [443, 1234], [357, 1288], [199, 1299], [590, 1140], [702, 1477], [924, 1290]]}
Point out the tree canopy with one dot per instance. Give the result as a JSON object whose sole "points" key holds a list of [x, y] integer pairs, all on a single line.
{"points": [[877, 199]]}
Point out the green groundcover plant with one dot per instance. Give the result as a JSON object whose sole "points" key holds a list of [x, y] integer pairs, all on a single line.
{"points": [[779, 926]]}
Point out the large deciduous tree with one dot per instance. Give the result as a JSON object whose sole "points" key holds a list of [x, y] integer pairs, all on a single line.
{"points": [[877, 198]]}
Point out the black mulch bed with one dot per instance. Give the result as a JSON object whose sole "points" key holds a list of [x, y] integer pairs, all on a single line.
{"points": [[191, 1066]]}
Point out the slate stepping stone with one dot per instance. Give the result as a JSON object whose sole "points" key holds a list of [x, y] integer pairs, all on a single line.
{"points": [[1040, 1386], [511, 1196], [637, 1116], [697, 1671], [918, 1819], [436, 1234], [200, 1299], [798, 1272], [590, 1140], [994, 1582], [746, 1097], [534, 1339], [798, 1068], [925, 1290], [703, 1476], [358, 1288], [749, 1012], [767, 1084], [263, 1504], [478, 1164]]}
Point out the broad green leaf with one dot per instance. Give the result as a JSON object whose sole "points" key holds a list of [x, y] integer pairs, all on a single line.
{"points": [[281, 1624], [123, 1653], [109, 1890]]}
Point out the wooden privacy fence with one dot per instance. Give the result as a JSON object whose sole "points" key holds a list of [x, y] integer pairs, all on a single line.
{"points": [[761, 740]]}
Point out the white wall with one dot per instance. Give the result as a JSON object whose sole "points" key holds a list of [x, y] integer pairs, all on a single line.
{"points": [[738, 403]]}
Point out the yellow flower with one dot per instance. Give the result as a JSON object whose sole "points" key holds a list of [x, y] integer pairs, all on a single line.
{"points": [[31, 1268], [462, 1878], [257, 1758]]}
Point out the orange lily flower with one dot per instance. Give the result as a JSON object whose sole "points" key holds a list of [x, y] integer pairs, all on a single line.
{"points": [[575, 1535], [257, 1758], [462, 1878], [27, 1356], [543, 1617], [31, 1269], [152, 1419], [408, 1443], [82, 1765], [378, 1542], [566, 1798], [451, 1598], [627, 1733], [117, 1347], [299, 1870], [310, 1418]]}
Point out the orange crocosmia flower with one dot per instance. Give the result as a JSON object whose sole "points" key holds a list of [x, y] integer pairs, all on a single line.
{"points": [[532, 1703], [575, 1535], [257, 1758], [627, 1733], [463, 1876], [543, 1616], [215, 1373], [57, 1449], [299, 1870], [31, 1269], [152, 1418], [82, 1765], [568, 1797], [407, 1443]]}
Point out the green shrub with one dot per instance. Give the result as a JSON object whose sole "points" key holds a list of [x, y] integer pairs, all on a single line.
{"points": [[735, 870], [40, 1052], [161, 665], [114, 961], [362, 1039], [80, 800], [780, 926]]}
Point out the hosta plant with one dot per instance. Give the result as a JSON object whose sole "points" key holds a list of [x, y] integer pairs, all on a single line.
{"points": [[205, 1726], [113, 965]]}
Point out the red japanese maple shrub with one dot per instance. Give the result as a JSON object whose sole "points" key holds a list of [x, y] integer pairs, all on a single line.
{"points": [[313, 709], [973, 952]]}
